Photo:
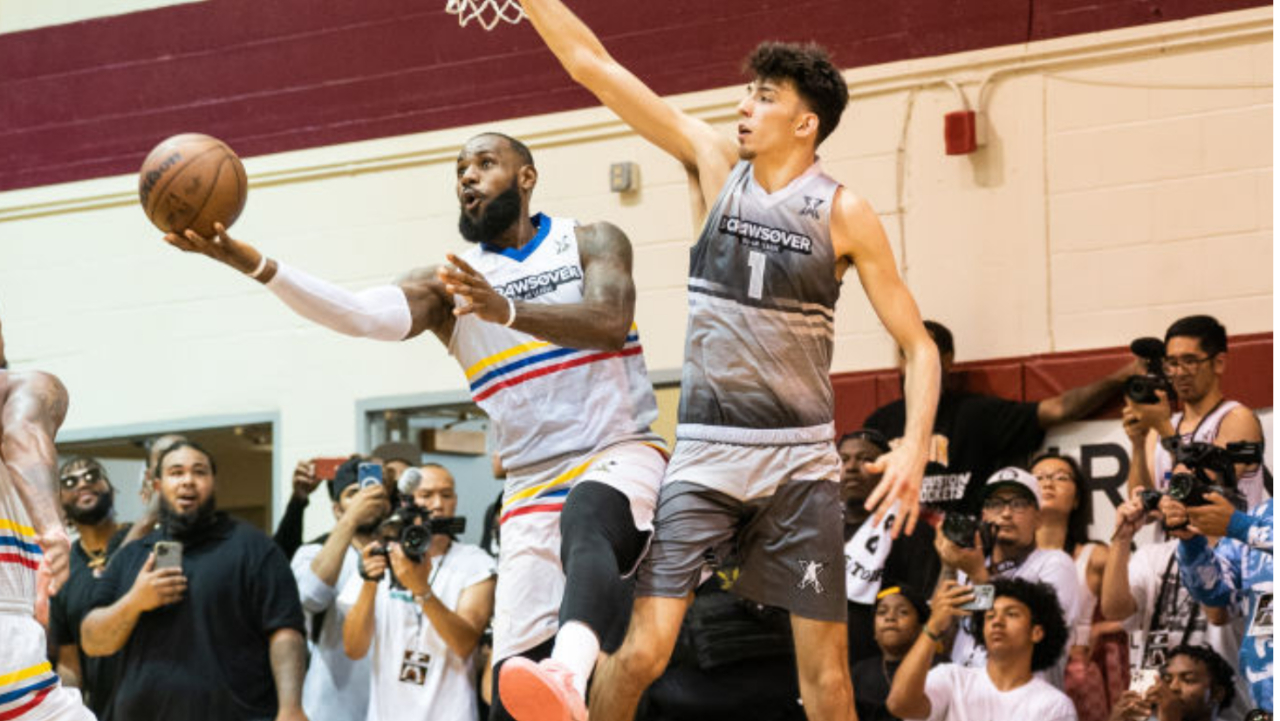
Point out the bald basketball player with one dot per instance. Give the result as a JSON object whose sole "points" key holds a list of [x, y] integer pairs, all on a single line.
{"points": [[32, 538], [755, 464], [539, 315]]}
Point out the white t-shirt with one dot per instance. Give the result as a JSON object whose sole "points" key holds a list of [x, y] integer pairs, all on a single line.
{"points": [[414, 676], [1147, 569], [967, 694], [1051, 566], [336, 687]]}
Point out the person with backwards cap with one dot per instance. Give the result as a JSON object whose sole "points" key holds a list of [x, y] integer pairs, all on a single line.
{"points": [[337, 687], [1011, 503]]}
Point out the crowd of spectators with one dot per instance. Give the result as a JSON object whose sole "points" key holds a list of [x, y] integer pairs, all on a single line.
{"points": [[1002, 607]]}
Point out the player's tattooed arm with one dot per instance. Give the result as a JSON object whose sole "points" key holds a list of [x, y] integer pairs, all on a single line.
{"points": [[31, 411], [691, 141], [430, 306], [860, 239], [601, 321]]}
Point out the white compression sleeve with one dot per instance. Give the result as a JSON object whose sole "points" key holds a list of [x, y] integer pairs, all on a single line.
{"points": [[381, 313]]}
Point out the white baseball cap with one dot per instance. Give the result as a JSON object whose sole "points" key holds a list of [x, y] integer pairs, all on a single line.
{"points": [[1013, 476]]}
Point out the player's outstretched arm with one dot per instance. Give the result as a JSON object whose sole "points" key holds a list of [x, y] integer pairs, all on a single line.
{"points": [[600, 321], [691, 141], [416, 303], [32, 408], [858, 235]]}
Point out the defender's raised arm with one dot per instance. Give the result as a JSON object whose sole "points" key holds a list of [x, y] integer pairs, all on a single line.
{"points": [[691, 141]]}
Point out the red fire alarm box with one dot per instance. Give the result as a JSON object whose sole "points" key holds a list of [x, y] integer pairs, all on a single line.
{"points": [[961, 132]]}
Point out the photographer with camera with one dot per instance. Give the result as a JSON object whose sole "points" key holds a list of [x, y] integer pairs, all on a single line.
{"points": [[1143, 589], [421, 603], [1010, 518], [1024, 632], [1237, 574], [336, 687], [1192, 366]]}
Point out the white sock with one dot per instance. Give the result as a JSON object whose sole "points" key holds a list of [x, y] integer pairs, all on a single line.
{"points": [[577, 648]]}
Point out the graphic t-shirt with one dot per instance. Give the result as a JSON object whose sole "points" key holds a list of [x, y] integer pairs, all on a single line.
{"points": [[974, 435]]}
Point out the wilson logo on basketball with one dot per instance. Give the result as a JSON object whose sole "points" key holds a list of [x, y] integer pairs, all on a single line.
{"points": [[149, 181]]}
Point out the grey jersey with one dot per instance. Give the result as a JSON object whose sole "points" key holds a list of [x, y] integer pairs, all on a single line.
{"points": [[762, 297]]}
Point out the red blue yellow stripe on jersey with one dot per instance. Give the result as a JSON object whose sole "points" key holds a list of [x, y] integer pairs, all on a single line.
{"points": [[23, 690], [18, 544], [527, 361], [549, 497]]}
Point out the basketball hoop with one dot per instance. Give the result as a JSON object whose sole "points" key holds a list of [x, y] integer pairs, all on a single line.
{"points": [[487, 12]]}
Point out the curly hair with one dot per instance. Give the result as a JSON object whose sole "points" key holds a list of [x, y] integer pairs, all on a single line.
{"points": [[809, 68], [1219, 669], [1046, 612]]}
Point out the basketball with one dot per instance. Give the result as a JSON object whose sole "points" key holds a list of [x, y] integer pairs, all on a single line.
{"points": [[192, 181]]}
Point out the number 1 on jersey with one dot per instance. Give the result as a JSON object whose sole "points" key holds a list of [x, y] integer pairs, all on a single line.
{"points": [[756, 261]]}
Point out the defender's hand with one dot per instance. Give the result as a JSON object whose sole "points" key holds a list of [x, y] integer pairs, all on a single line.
{"points": [[480, 299], [1211, 519], [222, 248], [416, 577], [155, 588], [903, 469], [55, 563]]}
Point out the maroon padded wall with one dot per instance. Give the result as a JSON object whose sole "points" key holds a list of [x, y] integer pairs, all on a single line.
{"points": [[1249, 378], [90, 99]]}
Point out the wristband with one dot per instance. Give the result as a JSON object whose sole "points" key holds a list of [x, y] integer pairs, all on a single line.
{"points": [[511, 312], [930, 634], [421, 598], [262, 265]]}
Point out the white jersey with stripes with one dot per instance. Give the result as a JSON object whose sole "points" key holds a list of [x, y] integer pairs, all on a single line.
{"points": [[546, 400]]}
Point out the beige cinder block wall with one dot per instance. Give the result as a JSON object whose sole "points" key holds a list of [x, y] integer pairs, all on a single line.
{"points": [[1127, 182]]}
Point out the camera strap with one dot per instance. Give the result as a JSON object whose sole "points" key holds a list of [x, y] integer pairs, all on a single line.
{"points": [[1169, 581]]}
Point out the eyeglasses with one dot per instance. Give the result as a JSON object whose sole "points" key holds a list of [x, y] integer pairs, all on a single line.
{"points": [[1188, 363], [1016, 504], [90, 476], [1060, 477]]}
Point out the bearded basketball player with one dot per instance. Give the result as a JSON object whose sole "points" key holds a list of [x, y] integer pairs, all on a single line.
{"points": [[539, 315], [32, 408], [755, 464]]}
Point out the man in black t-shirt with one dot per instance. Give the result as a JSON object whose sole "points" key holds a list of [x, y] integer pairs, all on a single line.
{"points": [[88, 502], [219, 637], [974, 435]]}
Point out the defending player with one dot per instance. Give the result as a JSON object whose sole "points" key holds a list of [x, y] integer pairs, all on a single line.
{"points": [[754, 445], [539, 315], [32, 408]]}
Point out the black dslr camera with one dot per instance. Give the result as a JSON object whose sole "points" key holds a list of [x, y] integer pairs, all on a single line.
{"points": [[1190, 487], [1142, 388], [960, 527], [413, 528]]}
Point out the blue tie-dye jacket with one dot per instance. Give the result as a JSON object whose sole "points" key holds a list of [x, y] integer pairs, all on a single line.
{"points": [[1237, 573]]}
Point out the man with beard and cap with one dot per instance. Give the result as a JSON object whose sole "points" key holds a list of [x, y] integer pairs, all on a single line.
{"points": [[871, 554], [34, 548], [88, 502], [539, 315], [219, 637], [337, 687]]}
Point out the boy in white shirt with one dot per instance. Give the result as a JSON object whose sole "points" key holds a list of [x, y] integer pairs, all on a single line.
{"points": [[1023, 632]]}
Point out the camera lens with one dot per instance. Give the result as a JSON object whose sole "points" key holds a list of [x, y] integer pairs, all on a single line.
{"points": [[1181, 486], [414, 540]]}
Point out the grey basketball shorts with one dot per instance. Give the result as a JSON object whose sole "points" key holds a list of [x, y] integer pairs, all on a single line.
{"points": [[786, 531]]}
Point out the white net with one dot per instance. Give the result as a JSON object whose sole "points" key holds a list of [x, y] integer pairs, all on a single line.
{"points": [[486, 12]]}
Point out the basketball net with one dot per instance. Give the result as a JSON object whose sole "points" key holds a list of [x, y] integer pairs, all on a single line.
{"points": [[487, 12]]}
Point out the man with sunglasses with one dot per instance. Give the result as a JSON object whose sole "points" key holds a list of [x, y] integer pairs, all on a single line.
{"points": [[88, 502], [1195, 362], [1011, 502]]}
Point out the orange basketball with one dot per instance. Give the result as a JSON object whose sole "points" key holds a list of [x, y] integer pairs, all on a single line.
{"points": [[192, 181]]}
